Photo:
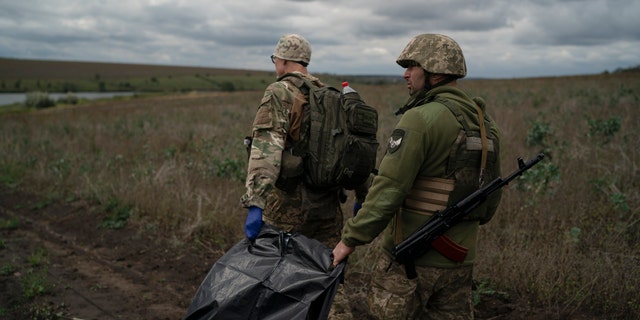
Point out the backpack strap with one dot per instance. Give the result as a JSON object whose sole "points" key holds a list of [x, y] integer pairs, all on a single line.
{"points": [[312, 121], [299, 81], [299, 147]]}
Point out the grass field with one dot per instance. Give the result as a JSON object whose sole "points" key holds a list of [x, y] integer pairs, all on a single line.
{"points": [[566, 235]]}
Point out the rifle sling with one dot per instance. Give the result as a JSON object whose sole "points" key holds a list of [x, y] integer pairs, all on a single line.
{"points": [[483, 136]]}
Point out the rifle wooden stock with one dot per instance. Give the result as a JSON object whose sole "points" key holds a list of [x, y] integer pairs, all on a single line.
{"points": [[420, 240]]}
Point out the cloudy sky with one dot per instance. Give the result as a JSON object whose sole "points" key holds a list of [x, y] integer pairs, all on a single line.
{"points": [[500, 38]]}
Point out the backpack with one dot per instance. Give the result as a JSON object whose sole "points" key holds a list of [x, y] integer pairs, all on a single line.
{"points": [[340, 132]]}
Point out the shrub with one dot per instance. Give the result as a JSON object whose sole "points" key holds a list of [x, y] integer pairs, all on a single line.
{"points": [[70, 98], [118, 214], [227, 86], [39, 100], [604, 130], [539, 134]]}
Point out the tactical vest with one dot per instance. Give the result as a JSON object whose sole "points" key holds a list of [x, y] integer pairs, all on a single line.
{"points": [[472, 161]]}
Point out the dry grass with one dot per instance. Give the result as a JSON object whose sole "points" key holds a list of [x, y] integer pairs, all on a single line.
{"points": [[567, 238], [574, 244]]}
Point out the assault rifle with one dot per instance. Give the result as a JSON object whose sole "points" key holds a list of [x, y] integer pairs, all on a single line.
{"points": [[420, 240]]}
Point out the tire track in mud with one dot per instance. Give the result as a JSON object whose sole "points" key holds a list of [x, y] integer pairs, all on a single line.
{"points": [[104, 274]]}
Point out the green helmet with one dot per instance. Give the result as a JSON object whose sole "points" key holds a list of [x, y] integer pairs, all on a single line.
{"points": [[435, 53], [293, 47]]}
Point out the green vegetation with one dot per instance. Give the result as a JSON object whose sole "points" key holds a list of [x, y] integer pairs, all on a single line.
{"points": [[38, 258], [566, 235], [484, 288], [56, 76], [117, 214], [26, 275], [39, 100], [7, 269], [9, 224], [35, 283], [47, 311]]}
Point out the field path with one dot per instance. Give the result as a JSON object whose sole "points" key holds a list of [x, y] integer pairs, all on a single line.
{"points": [[96, 273]]}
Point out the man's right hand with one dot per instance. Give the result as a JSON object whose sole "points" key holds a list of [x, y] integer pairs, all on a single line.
{"points": [[341, 252], [254, 223]]}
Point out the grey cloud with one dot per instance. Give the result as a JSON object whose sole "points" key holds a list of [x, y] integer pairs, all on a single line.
{"points": [[500, 37], [457, 15], [582, 23]]}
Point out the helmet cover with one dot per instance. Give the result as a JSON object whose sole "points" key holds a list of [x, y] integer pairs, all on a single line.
{"points": [[435, 53], [293, 47]]}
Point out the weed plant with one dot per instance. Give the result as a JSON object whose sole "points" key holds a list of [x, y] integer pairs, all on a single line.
{"points": [[39, 100], [566, 235]]}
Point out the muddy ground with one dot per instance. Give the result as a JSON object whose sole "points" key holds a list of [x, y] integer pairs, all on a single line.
{"points": [[56, 263]]}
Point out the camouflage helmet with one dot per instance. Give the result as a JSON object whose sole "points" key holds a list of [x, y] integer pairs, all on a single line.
{"points": [[435, 53], [293, 47]]}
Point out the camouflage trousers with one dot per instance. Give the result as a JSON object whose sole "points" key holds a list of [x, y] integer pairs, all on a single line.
{"points": [[436, 293], [340, 309], [316, 215]]}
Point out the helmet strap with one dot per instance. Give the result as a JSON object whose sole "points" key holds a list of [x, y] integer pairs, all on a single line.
{"points": [[447, 78], [419, 98], [415, 100]]}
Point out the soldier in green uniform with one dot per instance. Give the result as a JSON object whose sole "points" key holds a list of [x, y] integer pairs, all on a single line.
{"points": [[276, 193], [444, 147]]}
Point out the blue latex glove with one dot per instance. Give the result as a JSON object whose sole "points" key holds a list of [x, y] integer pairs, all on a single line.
{"points": [[254, 223], [356, 207]]}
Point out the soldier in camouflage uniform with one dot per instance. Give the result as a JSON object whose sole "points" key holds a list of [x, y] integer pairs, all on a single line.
{"points": [[443, 148], [275, 192]]}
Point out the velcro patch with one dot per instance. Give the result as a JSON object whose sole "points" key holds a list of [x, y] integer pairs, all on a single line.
{"points": [[263, 119], [395, 141]]}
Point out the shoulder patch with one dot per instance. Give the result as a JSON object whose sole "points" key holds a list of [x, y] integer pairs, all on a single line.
{"points": [[395, 141]]}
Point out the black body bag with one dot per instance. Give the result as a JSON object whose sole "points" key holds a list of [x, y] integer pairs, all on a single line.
{"points": [[278, 276]]}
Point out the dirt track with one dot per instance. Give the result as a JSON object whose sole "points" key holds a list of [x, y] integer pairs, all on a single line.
{"points": [[97, 273]]}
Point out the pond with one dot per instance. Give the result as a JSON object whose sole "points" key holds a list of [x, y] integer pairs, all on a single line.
{"points": [[10, 98]]}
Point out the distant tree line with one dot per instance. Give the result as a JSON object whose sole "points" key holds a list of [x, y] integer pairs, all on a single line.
{"points": [[627, 70]]}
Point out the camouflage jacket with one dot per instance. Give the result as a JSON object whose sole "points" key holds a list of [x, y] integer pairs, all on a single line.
{"points": [[274, 171], [275, 127]]}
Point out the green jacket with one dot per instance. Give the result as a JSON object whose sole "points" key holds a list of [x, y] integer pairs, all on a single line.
{"points": [[419, 147]]}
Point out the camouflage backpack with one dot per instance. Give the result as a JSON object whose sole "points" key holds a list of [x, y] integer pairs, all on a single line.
{"points": [[340, 133]]}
